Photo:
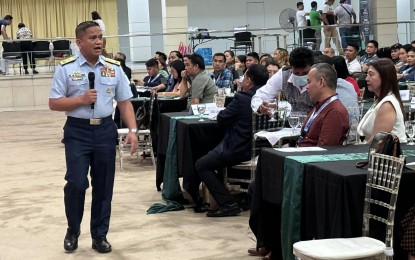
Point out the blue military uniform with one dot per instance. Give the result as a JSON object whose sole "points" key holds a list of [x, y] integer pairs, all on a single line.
{"points": [[90, 138]]}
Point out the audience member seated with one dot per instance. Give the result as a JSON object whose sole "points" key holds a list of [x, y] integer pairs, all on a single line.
{"points": [[343, 73], [119, 56], [291, 81], [235, 146], [230, 60], [407, 72], [240, 68], [203, 88], [281, 55], [154, 77], [263, 58], [386, 113], [328, 123], [163, 68], [160, 56], [173, 87], [329, 52], [251, 58], [271, 66], [221, 76], [370, 56], [408, 233], [403, 55], [175, 55], [395, 55], [352, 62]]}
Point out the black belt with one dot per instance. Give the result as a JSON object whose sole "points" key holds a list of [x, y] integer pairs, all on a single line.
{"points": [[91, 121]]}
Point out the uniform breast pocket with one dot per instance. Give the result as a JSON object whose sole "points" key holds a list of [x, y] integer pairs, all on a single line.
{"points": [[77, 87], [108, 85]]}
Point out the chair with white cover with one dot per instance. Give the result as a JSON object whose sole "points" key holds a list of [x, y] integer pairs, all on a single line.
{"points": [[382, 186], [144, 139]]}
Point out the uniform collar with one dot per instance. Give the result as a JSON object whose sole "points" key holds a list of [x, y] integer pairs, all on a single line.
{"points": [[82, 60]]}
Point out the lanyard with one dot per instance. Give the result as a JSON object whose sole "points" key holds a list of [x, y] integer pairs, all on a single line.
{"points": [[154, 78], [316, 113]]}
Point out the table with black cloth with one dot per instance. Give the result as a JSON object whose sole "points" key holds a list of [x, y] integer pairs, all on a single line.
{"points": [[161, 105], [332, 197], [194, 140]]}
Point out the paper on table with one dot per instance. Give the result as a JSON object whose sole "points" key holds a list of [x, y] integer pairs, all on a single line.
{"points": [[274, 137], [209, 106], [300, 149], [411, 163]]}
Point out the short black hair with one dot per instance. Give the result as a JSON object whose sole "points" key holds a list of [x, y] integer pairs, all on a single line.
{"points": [[301, 57], [241, 58], [21, 25], [178, 54], [323, 59], [81, 28], [253, 55], [313, 4], [95, 15], [257, 74], [122, 55], [152, 63], [162, 55], [299, 4], [375, 43], [196, 59], [396, 46], [327, 72], [407, 47], [220, 54], [354, 45], [8, 17]]}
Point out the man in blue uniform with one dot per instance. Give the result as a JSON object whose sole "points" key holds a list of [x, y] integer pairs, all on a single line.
{"points": [[90, 133]]}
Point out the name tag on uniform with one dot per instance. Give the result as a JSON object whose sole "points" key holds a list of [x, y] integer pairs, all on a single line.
{"points": [[77, 75]]}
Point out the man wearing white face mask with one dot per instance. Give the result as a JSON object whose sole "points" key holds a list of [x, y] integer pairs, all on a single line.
{"points": [[291, 81]]}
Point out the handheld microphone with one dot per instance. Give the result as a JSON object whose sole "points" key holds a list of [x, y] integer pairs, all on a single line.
{"points": [[91, 78]]}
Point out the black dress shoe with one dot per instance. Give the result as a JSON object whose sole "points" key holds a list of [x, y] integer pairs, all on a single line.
{"points": [[200, 208], [70, 243], [226, 210], [35, 72], [101, 245], [26, 72]]}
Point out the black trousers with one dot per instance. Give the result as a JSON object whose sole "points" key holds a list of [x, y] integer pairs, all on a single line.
{"points": [[206, 168], [27, 51], [89, 146]]}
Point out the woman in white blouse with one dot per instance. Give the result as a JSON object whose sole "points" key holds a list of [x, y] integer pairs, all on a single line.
{"points": [[97, 18], [386, 113]]}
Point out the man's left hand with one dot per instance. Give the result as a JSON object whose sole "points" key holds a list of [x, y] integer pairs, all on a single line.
{"points": [[132, 140]]}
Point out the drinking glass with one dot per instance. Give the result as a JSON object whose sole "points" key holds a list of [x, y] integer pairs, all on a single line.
{"points": [[272, 103], [201, 108], [293, 121], [302, 116]]}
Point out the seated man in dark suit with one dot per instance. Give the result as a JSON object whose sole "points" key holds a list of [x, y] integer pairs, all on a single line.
{"points": [[154, 77], [121, 58], [235, 146]]}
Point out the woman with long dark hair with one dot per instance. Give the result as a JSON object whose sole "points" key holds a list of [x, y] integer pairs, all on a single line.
{"points": [[386, 113]]}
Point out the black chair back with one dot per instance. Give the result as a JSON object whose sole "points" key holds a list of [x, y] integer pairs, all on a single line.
{"points": [[41, 49], [11, 50], [243, 38], [61, 47], [308, 35]]}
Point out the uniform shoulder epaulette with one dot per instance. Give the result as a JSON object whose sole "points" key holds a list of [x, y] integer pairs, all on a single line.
{"points": [[115, 62], [68, 60]]}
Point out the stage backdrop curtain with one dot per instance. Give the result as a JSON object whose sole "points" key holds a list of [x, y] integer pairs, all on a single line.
{"points": [[59, 18]]}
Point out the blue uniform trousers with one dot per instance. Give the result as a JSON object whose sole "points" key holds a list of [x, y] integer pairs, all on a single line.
{"points": [[89, 146]]}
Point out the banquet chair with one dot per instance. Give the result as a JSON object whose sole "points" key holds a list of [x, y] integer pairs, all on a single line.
{"points": [[145, 144], [243, 41], [12, 55], [61, 50], [42, 51], [382, 186], [242, 174]]}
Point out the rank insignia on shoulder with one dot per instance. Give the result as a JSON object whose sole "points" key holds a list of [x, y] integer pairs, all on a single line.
{"points": [[112, 61], [68, 60]]}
